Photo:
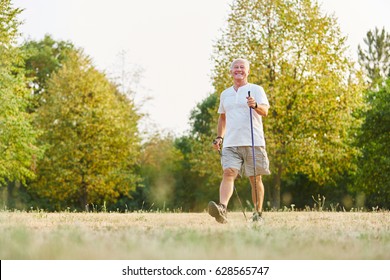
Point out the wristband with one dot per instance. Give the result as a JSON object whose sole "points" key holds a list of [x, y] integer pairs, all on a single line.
{"points": [[215, 140]]}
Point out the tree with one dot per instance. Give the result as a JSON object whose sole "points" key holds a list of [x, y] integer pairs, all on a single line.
{"points": [[18, 147], [375, 59], [90, 130], [299, 56], [42, 58], [373, 178], [159, 161], [202, 116]]}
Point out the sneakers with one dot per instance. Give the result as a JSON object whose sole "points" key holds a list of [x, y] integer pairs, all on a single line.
{"points": [[218, 211], [257, 218]]}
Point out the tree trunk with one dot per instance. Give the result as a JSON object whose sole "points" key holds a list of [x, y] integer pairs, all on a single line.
{"points": [[83, 196], [277, 186], [10, 194]]}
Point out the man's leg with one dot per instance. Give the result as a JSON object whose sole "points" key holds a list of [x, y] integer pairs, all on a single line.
{"points": [[260, 193], [227, 185], [219, 211]]}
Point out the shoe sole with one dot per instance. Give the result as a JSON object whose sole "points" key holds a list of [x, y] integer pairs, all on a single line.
{"points": [[214, 212]]}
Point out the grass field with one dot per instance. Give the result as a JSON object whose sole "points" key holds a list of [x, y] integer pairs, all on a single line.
{"points": [[105, 236]]}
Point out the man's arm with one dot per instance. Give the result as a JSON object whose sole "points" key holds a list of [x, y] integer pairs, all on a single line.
{"points": [[221, 132], [262, 110], [221, 125]]}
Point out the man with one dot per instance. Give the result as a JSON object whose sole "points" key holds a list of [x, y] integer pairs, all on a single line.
{"points": [[235, 131]]}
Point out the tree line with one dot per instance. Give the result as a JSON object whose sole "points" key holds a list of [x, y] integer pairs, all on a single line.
{"points": [[69, 135]]}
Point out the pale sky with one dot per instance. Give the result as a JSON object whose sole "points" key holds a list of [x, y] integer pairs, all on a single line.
{"points": [[171, 40]]}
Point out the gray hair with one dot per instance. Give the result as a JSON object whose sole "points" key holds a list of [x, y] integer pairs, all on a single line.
{"points": [[246, 62]]}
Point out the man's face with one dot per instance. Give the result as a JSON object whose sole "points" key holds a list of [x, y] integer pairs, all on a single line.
{"points": [[239, 71]]}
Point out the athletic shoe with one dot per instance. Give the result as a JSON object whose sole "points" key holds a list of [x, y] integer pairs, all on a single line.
{"points": [[218, 211], [257, 218]]}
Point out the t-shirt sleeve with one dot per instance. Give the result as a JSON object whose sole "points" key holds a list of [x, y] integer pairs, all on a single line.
{"points": [[262, 97], [221, 109]]}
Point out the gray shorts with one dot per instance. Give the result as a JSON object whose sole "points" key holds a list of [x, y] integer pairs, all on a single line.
{"points": [[241, 158]]}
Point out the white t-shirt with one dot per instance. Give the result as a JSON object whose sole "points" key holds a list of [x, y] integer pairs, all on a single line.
{"points": [[238, 127]]}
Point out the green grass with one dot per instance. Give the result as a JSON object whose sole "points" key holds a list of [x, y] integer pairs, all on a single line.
{"points": [[106, 236]]}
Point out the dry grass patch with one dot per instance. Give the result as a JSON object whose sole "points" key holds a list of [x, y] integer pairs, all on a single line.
{"points": [[285, 235]]}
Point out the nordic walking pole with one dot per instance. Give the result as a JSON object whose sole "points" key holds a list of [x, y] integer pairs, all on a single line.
{"points": [[253, 155], [242, 207]]}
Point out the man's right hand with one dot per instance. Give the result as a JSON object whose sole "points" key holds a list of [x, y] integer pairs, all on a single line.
{"points": [[217, 143]]}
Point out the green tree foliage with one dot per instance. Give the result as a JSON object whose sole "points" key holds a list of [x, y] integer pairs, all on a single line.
{"points": [[195, 186], [299, 56], [42, 58], [204, 161], [188, 188], [375, 59], [201, 117], [18, 149], [374, 139], [159, 162], [91, 134]]}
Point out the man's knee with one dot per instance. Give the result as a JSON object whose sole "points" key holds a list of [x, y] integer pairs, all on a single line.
{"points": [[258, 179], [230, 172]]}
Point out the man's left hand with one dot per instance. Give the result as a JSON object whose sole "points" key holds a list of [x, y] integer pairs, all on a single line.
{"points": [[251, 102]]}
